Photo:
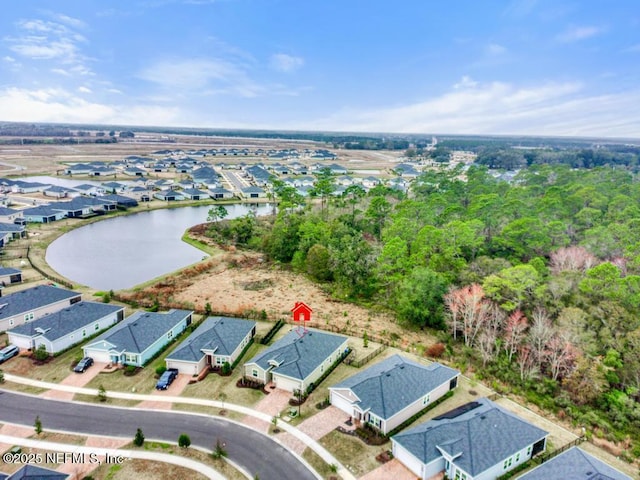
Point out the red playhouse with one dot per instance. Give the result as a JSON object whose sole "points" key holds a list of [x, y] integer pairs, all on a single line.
{"points": [[301, 312]]}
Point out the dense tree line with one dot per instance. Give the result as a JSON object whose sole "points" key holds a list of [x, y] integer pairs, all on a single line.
{"points": [[538, 280]]}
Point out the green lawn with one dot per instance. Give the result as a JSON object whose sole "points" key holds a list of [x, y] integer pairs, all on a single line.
{"points": [[354, 454]]}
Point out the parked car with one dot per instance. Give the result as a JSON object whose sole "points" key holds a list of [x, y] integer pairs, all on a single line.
{"points": [[83, 364], [7, 352], [167, 379]]}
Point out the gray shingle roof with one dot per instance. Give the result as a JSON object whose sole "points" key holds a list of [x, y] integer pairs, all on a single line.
{"points": [[221, 334], [8, 271], [11, 227], [482, 437], [33, 472], [395, 383], [574, 464], [141, 330], [7, 211], [299, 356], [31, 299], [57, 325]]}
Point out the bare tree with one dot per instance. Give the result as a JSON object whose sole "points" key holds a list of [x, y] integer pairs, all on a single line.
{"points": [[540, 333], [514, 333], [486, 345], [468, 306], [561, 356], [527, 363], [574, 259]]}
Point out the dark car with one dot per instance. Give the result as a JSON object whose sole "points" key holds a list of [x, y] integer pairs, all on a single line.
{"points": [[83, 364], [167, 379]]}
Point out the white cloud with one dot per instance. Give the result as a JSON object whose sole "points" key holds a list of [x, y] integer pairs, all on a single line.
{"points": [[577, 33], [61, 71], [501, 108], [285, 63], [56, 41], [59, 105], [84, 89], [465, 82], [494, 49], [9, 59], [114, 90]]}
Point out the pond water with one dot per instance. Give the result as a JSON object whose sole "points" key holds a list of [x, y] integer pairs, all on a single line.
{"points": [[125, 251]]}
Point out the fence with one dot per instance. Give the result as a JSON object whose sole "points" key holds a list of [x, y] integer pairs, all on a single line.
{"points": [[54, 279], [363, 361], [548, 456]]}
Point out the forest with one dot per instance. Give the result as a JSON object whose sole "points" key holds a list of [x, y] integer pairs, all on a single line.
{"points": [[533, 284]]}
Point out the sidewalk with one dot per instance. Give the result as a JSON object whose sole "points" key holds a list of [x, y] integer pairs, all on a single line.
{"points": [[88, 452], [300, 436]]}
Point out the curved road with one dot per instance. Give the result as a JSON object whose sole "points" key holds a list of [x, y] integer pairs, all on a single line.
{"points": [[256, 453]]}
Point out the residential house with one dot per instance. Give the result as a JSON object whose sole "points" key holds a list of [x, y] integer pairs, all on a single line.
{"points": [[137, 339], [574, 464], [168, 195], [406, 170], [141, 194], [9, 276], [122, 201], [32, 303], [220, 193], [203, 173], [102, 171], [9, 215], [87, 189], [12, 231], [216, 340], [114, 187], [60, 330], [28, 187], [42, 214], [389, 393], [79, 169], [345, 180], [194, 194], [260, 175], [297, 360], [336, 169], [370, 182], [134, 172], [60, 192], [253, 192], [477, 441]]}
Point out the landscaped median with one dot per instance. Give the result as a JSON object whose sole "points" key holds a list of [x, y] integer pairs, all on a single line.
{"points": [[323, 453]]}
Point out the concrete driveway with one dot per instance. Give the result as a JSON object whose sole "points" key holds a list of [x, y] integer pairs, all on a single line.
{"points": [[392, 469], [272, 404], [75, 380], [324, 422], [174, 390]]}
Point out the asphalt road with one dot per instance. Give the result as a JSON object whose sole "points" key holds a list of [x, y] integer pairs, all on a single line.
{"points": [[256, 453]]}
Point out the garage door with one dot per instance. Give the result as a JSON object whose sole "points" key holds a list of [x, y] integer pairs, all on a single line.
{"points": [[342, 403], [98, 355]]}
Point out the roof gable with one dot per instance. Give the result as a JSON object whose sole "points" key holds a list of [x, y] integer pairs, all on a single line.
{"points": [[219, 334], [395, 383], [33, 298], [480, 437]]}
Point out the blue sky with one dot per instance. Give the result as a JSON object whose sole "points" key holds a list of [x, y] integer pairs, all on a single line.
{"points": [[533, 67]]}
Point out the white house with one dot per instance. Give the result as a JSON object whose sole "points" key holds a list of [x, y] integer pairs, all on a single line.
{"points": [[297, 360], [392, 391], [216, 341], [32, 303], [59, 330], [477, 441]]}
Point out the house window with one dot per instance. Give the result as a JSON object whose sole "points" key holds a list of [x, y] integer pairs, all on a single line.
{"points": [[219, 360], [97, 327], [517, 457], [254, 373], [28, 316], [457, 474], [528, 451], [505, 465], [425, 400], [84, 332], [129, 358], [170, 335]]}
